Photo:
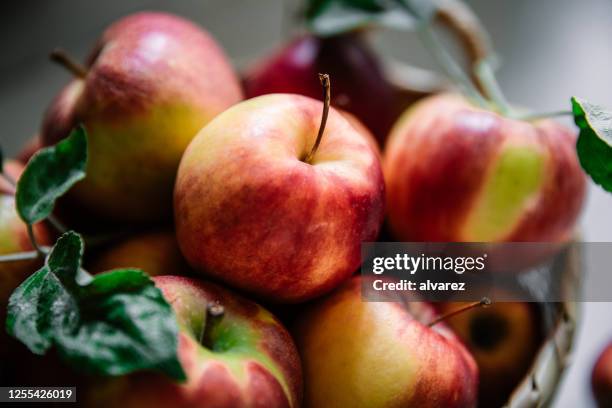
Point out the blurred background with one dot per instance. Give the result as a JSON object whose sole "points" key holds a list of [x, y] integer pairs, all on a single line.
{"points": [[550, 49]]}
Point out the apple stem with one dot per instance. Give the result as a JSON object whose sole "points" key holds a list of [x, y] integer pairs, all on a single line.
{"points": [[484, 302], [214, 315], [325, 83], [61, 57]]}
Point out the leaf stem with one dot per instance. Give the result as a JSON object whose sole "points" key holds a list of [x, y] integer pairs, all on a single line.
{"points": [[42, 251], [544, 115], [486, 76], [19, 256], [325, 83]]}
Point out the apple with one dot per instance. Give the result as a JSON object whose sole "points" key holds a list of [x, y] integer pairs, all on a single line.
{"points": [[157, 253], [14, 239], [252, 210], [244, 358], [601, 378], [503, 338], [456, 172], [150, 84], [360, 83], [358, 353]]}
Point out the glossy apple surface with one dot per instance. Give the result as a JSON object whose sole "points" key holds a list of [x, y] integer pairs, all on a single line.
{"points": [[157, 253], [358, 353], [153, 80], [601, 378], [250, 359], [249, 211], [455, 172]]}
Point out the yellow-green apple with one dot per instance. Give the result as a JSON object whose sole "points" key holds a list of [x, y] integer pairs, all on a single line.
{"points": [[242, 358], [503, 338], [360, 83], [601, 378], [150, 84], [251, 208], [456, 172], [358, 353], [156, 253], [13, 239]]}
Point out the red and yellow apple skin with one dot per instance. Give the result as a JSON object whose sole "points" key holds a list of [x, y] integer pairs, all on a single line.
{"points": [[503, 338], [14, 238], [601, 378], [250, 212], [357, 353], [253, 361], [153, 81], [156, 253], [455, 172]]}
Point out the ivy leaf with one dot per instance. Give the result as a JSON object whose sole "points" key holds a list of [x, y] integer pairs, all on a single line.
{"points": [[49, 174], [116, 323], [333, 17], [594, 144]]}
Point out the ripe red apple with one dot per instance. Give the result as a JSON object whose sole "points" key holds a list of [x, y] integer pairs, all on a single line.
{"points": [[358, 353], [156, 253], [455, 172], [245, 358], [150, 84], [252, 211], [503, 338], [360, 83], [601, 378]]}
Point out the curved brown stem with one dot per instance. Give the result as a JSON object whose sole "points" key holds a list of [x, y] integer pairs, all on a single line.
{"points": [[61, 57], [465, 26], [485, 301], [325, 82]]}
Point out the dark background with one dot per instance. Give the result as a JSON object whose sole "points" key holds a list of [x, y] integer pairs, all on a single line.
{"points": [[551, 49]]}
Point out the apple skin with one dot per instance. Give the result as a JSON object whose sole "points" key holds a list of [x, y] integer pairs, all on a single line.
{"points": [[358, 80], [503, 338], [357, 353], [153, 81], [455, 172], [157, 253], [601, 378], [260, 368], [249, 212]]}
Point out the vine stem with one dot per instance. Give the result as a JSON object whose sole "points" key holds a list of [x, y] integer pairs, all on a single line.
{"points": [[42, 251], [19, 256], [545, 115], [486, 76]]}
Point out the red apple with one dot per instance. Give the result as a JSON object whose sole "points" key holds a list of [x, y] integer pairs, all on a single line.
{"points": [[156, 253], [358, 353], [358, 78], [503, 338], [150, 84], [601, 378], [244, 359], [250, 210], [455, 172]]}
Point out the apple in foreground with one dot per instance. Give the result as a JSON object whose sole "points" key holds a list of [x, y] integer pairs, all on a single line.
{"points": [[253, 210], [358, 353], [601, 378], [503, 338], [156, 252], [360, 83], [455, 172], [242, 358], [149, 85]]}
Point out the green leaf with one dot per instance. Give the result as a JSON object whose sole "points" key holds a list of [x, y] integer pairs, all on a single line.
{"points": [[594, 144], [332, 17], [49, 174], [115, 324]]}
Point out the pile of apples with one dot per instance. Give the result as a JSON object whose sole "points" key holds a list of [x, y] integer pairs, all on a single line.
{"points": [[235, 202]]}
